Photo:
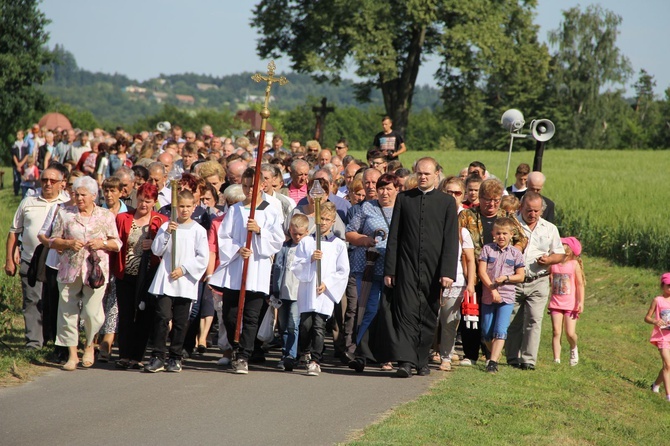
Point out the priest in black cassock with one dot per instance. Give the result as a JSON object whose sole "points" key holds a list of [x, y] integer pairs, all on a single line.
{"points": [[421, 259]]}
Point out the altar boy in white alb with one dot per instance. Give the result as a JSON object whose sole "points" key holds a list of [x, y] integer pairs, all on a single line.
{"points": [[176, 286], [266, 240], [316, 302]]}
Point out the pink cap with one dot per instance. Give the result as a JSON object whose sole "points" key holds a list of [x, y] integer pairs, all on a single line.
{"points": [[574, 245], [665, 279]]}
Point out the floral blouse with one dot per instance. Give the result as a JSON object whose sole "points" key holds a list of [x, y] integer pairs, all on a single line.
{"points": [[71, 225]]}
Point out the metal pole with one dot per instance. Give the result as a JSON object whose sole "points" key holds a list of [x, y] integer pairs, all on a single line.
{"points": [[317, 220]]}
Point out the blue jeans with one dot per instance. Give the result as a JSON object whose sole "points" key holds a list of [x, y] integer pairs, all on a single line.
{"points": [[289, 323], [372, 304], [495, 319]]}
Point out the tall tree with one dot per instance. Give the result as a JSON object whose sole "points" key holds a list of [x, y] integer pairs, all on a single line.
{"points": [[386, 41], [587, 61], [23, 58]]}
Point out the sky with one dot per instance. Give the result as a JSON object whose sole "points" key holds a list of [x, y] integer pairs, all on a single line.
{"points": [[144, 38]]}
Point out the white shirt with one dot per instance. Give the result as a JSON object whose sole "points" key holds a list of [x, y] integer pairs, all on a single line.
{"points": [[28, 221], [165, 196], [544, 239]]}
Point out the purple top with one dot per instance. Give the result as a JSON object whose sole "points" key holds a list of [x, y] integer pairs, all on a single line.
{"points": [[501, 262]]}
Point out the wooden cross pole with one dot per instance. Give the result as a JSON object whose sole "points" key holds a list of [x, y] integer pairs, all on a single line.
{"points": [[320, 113], [265, 114]]}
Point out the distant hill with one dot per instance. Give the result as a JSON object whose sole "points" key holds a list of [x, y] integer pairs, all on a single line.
{"points": [[115, 99]]}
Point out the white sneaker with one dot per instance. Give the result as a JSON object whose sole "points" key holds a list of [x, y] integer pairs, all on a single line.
{"points": [[241, 367], [557, 361], [467, 362], [313, 369], [574, 356]]}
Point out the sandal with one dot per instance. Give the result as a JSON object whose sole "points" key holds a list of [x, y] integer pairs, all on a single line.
{"points": [[122, 364], [387, 367], [88, 359], [69, 366]]}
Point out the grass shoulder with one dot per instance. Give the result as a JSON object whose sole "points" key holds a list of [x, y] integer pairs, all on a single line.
{"points": [[604, 400]]}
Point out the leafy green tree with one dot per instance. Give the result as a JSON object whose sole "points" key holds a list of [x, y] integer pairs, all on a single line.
{"points": [[23, 56], [587, 61], [386, 41]]}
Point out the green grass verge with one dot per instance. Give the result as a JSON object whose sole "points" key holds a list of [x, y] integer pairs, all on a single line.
{"points": [[604, 400]]}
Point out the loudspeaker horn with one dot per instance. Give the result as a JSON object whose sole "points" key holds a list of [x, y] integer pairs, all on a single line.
{"points": [[512, 120], [163, 126], [542, 129]]}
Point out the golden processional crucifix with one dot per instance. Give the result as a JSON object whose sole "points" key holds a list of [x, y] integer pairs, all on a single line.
{"points": [[265, 114]]}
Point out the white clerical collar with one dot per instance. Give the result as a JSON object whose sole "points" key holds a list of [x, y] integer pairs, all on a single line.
{"points": [[426, 191]]}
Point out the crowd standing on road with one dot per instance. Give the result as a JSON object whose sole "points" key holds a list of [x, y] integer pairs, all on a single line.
{"points": [[101, 246]]}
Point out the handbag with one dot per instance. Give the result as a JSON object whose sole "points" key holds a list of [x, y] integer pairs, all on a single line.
{"points": [[95, 277], [37, 268], [266, 331]]}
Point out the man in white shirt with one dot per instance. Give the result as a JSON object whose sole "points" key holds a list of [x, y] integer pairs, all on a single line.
{"points": [[28, 221], [544, 249]]}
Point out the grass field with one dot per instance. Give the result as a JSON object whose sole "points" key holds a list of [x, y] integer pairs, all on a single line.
{"points": [[613, 201]]}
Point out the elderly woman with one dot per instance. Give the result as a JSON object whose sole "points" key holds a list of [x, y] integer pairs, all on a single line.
{"points": [[367, 231], [80, 231], [133, 268], [478, 220]]}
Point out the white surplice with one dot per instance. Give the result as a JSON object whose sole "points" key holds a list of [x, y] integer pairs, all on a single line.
{"points": [[232, 236], [334, 274], [192, 257]]}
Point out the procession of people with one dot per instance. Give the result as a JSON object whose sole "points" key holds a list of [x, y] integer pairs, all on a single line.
{"points": [[146, 242]]}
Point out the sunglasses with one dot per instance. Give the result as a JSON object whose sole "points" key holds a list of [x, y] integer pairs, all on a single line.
{"points": [[455, 193], [340, 147]]}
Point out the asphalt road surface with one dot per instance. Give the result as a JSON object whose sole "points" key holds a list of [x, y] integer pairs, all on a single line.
{"points": [[205, 404]]}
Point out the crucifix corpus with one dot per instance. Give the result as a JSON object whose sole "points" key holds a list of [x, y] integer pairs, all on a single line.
{"points": [[265, 114], [320, 113]]}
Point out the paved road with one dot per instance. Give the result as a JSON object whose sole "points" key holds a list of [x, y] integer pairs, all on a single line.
{"points": [[202, 405]]}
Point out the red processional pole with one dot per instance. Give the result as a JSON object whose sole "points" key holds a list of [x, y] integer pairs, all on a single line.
{"points": [[265, 114]]}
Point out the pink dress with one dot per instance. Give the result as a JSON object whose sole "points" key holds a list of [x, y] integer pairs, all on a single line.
{"points": [[563, 287], [658, 335]]}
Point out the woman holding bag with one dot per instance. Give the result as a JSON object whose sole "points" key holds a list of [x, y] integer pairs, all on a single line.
{"points": [[85, 233]]}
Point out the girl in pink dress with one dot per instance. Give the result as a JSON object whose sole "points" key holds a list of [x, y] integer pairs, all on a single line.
{"points": [[567, 298], [659, 316]]}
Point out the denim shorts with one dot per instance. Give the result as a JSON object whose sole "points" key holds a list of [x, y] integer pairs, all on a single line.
{"points": [[495, 319]]}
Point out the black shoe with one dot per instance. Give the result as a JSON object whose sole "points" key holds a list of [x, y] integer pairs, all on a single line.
{"points": [[358, 364], [423, 371], [525, 366], [202, 349], [347, 357], [514, 365], [155, 365], [288, 364], [185, 354], [257, 357], [404, 370], [492, 367], [173, 365]]}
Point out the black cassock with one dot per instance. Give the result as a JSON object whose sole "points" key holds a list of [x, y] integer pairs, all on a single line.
{"points": [[422, 247]]}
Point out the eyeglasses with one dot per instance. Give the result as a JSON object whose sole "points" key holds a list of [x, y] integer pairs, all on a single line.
{"points": [[50, 181], [455, 193], [490, 200]]}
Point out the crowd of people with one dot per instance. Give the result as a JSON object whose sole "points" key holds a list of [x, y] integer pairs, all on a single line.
{"points": [[140, 241]]}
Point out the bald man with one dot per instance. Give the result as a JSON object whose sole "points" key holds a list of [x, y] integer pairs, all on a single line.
{"points": [[349, 174], [535, 183], [167, 161]]}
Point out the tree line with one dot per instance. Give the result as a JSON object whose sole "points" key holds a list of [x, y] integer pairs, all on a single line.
{"points": [[491, 60]]}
